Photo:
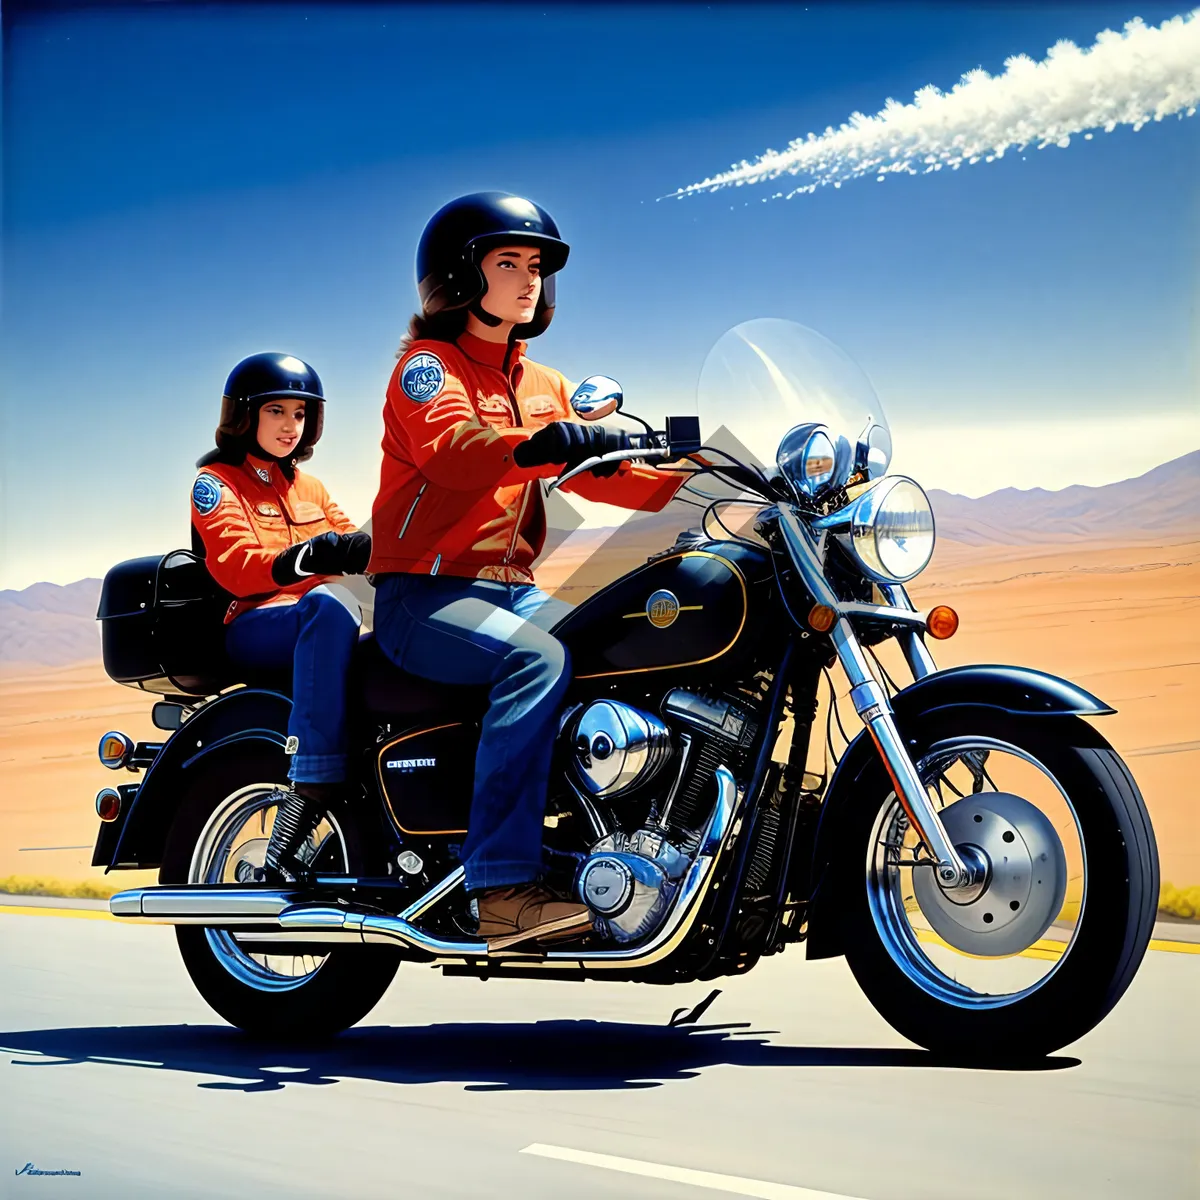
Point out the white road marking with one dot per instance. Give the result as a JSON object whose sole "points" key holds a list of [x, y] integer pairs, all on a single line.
{"points": [[704, 1179]]}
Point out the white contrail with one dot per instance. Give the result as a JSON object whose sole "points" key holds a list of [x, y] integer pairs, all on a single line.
{"points": [[1145, 73]]}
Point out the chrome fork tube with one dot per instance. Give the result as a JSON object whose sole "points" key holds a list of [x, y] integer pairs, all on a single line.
{"points": [[912, 644], [872, 705]]}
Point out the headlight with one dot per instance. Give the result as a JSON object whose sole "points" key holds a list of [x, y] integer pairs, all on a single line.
{"points": [[807, 458], [888, 529]]}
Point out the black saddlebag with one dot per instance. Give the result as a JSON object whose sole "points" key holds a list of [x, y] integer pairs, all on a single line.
{"points": [[161, 621]]}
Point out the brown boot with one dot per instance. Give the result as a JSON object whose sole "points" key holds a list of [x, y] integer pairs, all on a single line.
{"points": [[528, 912]]}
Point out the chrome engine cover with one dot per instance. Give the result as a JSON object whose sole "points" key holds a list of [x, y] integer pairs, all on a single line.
{"points": [[618, 747], [629, 881]]}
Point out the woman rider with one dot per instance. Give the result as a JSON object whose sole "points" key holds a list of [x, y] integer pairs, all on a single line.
{"points": [[470, 427], [271, 536]]}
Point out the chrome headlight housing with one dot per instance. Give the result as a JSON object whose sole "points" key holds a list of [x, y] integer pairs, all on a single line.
{"points": [[807, 459], [889, 529]]}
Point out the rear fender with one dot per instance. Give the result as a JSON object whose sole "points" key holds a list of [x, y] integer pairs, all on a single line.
{"points": [[1017, 690], [245, 716]]}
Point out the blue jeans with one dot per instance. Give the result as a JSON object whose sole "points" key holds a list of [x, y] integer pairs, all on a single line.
{"points": [[316, 637], [474, 631]]}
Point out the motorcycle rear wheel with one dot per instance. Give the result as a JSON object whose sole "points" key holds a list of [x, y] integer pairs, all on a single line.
{"points": [[294, 997], [910, 974]]}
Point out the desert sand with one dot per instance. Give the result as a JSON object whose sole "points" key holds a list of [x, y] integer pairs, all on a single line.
{"points": [[1122, 620]]}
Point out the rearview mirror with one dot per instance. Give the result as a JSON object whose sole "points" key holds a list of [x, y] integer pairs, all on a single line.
{"points": [[596, 397]]}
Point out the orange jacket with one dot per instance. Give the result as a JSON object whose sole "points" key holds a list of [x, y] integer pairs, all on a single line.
{"points": [[451, 500], [243, 516]]}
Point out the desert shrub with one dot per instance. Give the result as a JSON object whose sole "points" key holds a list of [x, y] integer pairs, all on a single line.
{"points": [[32, 885], [1180, 902]]}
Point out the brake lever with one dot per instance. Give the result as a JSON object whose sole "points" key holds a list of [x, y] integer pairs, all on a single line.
{"points": [[600, 459]]}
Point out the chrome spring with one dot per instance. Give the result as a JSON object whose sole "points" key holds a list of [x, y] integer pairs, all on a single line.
{"points": [[295, 819]]}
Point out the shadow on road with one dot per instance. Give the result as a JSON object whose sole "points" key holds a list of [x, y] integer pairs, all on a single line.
{"points": [[532, 1056]]}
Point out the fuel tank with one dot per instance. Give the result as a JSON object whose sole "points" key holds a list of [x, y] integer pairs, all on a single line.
{"points": [[705, 605]]}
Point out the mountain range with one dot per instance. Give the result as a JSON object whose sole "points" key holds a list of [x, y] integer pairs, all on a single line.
{"points": [[51, 624], [1163, 501]]}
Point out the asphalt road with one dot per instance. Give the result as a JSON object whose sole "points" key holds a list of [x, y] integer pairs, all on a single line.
{"points": [[791, 1087]]}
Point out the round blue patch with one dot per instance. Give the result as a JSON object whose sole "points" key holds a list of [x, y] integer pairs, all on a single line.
{"points": [[422, 377], [206, 494]]}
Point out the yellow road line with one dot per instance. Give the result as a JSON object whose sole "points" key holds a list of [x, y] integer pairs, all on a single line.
{"points": [[1174, 947], [1044, 949]]}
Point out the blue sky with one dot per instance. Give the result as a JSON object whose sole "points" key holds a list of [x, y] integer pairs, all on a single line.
{"points": [[187, 185]]}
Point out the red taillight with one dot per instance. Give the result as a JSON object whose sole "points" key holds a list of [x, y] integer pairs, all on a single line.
{"points": [[108, 804]]}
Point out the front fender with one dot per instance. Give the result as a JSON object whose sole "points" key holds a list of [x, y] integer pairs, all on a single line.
{"points": [[1017, 690], [243, 715]]}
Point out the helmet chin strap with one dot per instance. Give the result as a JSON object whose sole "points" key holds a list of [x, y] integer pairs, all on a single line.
{"points": [[480, 313]]}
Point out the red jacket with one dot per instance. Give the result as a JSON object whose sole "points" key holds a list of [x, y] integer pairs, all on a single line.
{"points": [[244, 516], [451, 500]]}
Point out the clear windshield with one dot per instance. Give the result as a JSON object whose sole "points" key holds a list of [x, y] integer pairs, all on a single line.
{"points": [[765, 376]]}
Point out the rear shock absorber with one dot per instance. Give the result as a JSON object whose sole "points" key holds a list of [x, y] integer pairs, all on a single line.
{"points": [[295, 819]]}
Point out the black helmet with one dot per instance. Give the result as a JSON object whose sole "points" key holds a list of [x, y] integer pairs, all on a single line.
{"points": [[459, 234], [269, 376], [253, 382]]}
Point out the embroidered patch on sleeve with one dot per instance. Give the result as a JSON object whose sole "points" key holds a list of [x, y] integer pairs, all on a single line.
{"points": [[423, 377], [206, 494]]}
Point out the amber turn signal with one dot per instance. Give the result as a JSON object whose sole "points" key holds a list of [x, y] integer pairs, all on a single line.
{"points": [[942, 622], [115, 749], [821, 617], [108, 804]]}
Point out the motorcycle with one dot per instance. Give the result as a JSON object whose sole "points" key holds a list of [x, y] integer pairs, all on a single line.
{"points": [[980, 855]]}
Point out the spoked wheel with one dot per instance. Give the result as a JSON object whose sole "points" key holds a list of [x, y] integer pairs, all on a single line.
{"points": [[220, 836], [1036, 953]]}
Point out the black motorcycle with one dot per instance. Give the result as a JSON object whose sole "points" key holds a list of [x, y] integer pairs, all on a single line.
{"points": [[980, 854]]}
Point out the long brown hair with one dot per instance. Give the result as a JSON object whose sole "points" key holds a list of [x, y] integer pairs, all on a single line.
{"points": [[441, 327]]}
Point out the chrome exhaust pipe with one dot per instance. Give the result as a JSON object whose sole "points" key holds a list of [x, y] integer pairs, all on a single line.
{"points": [[203, 904], [286, 912]]}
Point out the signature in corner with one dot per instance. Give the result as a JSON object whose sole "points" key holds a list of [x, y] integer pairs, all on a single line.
{"points": [[30, 1169]]}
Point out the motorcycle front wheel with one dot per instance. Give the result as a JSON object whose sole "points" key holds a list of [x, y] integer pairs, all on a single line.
{"points": [[220, 833], [1035, 956]]}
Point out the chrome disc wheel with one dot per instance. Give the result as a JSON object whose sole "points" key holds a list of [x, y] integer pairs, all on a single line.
{"points": [[230, 849], [992, 945]]}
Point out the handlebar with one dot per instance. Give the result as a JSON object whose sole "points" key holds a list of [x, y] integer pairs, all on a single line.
{"points": [[681, 437], [599, 460]]}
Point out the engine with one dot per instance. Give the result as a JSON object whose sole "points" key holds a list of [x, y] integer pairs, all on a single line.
{"points": [[620, 753]]}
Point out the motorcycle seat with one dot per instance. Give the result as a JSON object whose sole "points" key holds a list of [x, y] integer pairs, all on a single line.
{"points": [[383, 689]]}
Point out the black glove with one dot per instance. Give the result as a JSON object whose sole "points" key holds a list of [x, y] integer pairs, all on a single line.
{"points": [[326, 554], [357, 549], [570, 443]]}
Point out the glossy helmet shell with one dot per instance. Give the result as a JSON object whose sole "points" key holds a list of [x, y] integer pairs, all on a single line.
{"points": [[463, 231]]}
